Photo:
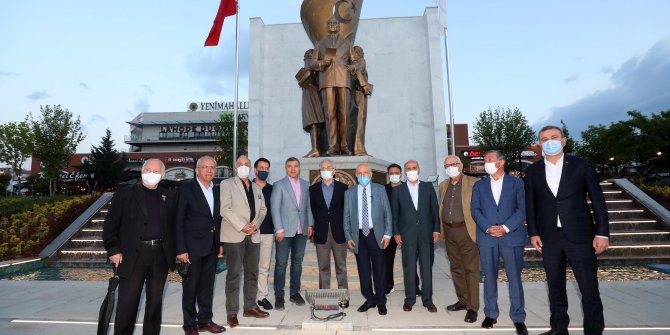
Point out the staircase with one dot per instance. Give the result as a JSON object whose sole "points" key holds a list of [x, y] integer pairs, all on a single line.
{"points": [[636, 235]]}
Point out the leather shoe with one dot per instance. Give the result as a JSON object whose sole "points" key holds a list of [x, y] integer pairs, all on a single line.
{"points": [[555, 332], [470, 316], [521, 328], [431, 308], [418, 292], [191, 331], [456, 307], [213, 327], [279, 303], [232, 321], [364, 307], [255, 313], [407, 307], [382, 309], [488, 322], [297, 299], [265, 303]]}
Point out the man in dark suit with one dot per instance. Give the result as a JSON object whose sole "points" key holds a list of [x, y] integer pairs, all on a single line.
{"points": [[498, 210], [327, 202], [198, 230], [565, 229], [367, 228], [416, 228], [138, 235], [267, 229]]}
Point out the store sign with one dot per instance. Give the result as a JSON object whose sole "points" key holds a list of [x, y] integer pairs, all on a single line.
{"points": [[180, 160], [472, 154], [189, 129], [67, 176], [218, 106]]}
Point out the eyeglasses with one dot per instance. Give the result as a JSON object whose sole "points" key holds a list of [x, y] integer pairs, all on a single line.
{"points": [[207, 167], [452, 165]]}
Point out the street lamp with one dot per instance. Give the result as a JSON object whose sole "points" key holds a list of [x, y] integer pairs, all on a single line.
{"points": [[611, 159], [658, 153]]}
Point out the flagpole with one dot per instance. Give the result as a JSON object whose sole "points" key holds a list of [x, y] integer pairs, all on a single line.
{"points": [[237, 82], [451, 104]]}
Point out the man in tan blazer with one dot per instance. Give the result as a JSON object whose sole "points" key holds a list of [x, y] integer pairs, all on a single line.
{"points": [[242, 211], [459, 230]]}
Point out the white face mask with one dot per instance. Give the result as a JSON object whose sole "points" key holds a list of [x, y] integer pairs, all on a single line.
{"points": [[394, 178], [326, 175], [243, 171], [490, 168], [413, 175], [151, 179], [453, 172]]}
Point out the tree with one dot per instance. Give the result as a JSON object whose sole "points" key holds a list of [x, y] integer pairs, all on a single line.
{"points": [[570, 143], [107, 163], [16, 145], [225, 137], [56, 135], [506, 130]]}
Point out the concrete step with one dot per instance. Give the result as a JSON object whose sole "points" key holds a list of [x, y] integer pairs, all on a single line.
{"points": [[626, 213], [639, 237], [613, 194], [634, 224], [643, 253]]}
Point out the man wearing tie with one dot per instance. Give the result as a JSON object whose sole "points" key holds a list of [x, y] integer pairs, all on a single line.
{"points": [[565, 229], [498, 209], [292, 216], [367, 228], [416, 227]]}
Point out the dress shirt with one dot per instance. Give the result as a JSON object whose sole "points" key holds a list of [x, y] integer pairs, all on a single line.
{"points": [[209, 194], [414, 193], [452, 204], [295, 183], [496, 188], [327, 191], [368, 193]]}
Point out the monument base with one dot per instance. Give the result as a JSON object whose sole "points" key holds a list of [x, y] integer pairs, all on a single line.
{"points": [[345, 167]]}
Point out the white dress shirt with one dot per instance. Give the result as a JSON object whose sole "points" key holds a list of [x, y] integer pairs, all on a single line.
{"points": [[209, 194], [414, 193], [553, 173], [496, 188]]}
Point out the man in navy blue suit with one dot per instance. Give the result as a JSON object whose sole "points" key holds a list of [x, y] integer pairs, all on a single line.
{"points": [[498, 207], [566, 230], [198, 229]]}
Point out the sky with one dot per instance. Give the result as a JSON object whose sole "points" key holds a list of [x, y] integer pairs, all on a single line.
{"points": [[584, 62]]}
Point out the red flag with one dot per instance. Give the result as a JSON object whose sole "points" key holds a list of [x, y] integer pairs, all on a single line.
{"points": [[226, 8]]}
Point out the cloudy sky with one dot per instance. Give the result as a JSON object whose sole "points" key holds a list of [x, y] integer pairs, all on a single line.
{"points": [[585, 62]]}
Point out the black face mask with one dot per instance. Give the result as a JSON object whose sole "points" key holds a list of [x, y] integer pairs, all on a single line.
{"points": [[262, 175]]}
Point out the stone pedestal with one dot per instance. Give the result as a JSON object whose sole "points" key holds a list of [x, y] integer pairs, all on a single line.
{"points": [[345, 167]]}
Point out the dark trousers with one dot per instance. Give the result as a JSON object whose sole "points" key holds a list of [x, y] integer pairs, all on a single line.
{"points": [[463, 257], [424, 251], [389, 259], [556, 254], [241, 256], [150, 267], [296, 247], [198, 289], [370, 263], [513, 261]]}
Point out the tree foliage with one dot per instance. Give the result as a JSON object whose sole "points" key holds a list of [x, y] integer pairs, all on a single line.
{"points": [[225, 137], [570, 143], [56, 135], [16, 145], [107, 164], [506, 130]]}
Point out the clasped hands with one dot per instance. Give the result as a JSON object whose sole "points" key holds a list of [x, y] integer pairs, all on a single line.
{"points": [[496, 231]]}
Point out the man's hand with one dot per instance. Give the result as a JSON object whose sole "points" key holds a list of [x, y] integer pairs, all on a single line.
{"points": [[496, 231], [398, 239], [183, 257], [600, 244], [325, 62], [116, 259], [279, 236], [220, 255], [351, 244], [536, 241], [249, 229], [385, 242], [310, 231], [436, 237]]}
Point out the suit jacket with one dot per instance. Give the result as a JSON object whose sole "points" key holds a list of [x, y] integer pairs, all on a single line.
{"points": [[327, 215], [334, 75], [413, 223], [235, 211], [578, 180], [380, 211], [467, 183], [286, 214], [125, 221], [510, 211], [198, 231]]}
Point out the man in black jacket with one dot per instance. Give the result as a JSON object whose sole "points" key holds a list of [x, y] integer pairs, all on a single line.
{"points": [[198, 230], [138, 235], [262, 172]]}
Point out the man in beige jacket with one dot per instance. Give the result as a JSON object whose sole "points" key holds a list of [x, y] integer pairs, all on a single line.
{"points": [[242, 211], [459, 230]]}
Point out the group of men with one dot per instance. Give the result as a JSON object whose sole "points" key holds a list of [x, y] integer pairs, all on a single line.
{"points": [[482, 221]]}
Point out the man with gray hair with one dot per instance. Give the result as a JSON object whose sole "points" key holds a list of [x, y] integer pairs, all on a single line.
{"points": [[326, 199]]}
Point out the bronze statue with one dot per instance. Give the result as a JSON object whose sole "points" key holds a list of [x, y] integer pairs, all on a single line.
{"points": [[312, 110], [362, 89]]}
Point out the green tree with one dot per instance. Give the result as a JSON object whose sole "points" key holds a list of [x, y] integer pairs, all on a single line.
{"points": [[56, 135], [16, 145], [570, 143], [225, 137], [506, 130], [107, 164]]}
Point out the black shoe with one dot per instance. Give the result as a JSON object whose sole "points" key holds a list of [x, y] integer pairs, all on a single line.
{"points": [[470, 316], [364, 307], [265, 304], [555, 332], [382, 309], [389, 290], [418, 292], [297, 299], [456, 307], [521, 328], [488, 322], [279, 303]]}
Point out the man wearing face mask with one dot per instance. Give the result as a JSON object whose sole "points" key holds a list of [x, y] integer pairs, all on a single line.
{"points": [[566, 230], [242, 209], [459, 231], [139, 236], [498, 207], [416, 227], [262, 172], [367, 229], [327, 203]]}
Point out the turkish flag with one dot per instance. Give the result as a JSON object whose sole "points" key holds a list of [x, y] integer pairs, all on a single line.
{"points": [[226, 8]]}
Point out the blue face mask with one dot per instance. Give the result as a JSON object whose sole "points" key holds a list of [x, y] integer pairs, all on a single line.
{"points": [[262, 175], [363, 180], [552, 147]]}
